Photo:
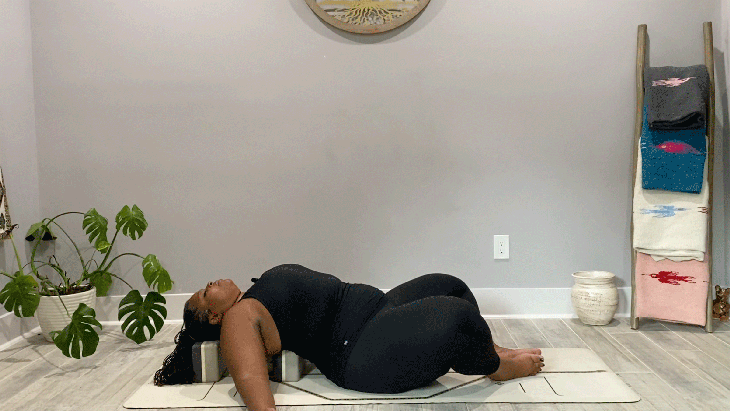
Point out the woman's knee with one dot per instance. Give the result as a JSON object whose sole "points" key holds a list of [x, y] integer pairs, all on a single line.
{"points": [[456, 287], [451, 281], [455, 312]]}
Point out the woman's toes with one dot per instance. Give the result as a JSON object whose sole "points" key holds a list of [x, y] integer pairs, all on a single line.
{"points": [[538, 361], [535, 351], [517, 351], [520, 365]]}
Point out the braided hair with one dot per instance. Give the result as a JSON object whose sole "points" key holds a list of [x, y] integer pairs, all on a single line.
{"points": [[177, 368]]}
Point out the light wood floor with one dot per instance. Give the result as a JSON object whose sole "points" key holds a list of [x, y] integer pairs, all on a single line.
{"points": [[671, 366]]}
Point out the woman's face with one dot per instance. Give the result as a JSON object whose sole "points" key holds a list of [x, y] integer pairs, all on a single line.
{"points": [[217, 296]]}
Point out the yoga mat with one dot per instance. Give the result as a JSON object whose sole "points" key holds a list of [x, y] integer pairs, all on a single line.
{"points": [[570, 375]]}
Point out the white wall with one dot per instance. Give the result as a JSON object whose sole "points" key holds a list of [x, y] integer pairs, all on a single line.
{"points": [[252, 134], [18, 151], [722, 64]]}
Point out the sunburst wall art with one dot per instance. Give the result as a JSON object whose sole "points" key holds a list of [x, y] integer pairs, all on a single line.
{"points": [[367, 16]]}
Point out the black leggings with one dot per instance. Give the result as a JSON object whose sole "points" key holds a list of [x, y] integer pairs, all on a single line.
{"points": [[429, 324]]}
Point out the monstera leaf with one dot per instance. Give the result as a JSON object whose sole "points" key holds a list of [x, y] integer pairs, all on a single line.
{"points": [[155, 275], [96, 228], [78, 339], [140, 313], [20, 295], [131, 222], [39, 230], [102, 280]]}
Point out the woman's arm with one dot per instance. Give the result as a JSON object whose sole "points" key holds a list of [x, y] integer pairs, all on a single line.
{"points": [[243, 351]]}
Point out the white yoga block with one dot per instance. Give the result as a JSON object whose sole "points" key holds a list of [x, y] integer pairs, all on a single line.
{"points": [[209, 366], [208, 362], [286, 366]]}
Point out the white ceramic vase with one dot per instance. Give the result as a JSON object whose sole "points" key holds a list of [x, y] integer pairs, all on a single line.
{"points": [[52, 316], [594, 297]]}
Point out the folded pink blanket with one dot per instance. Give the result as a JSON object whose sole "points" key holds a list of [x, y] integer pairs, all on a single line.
{"points": [[673, 291]]}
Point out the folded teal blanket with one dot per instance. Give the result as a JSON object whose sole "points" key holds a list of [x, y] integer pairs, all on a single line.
{"points": [[672, 160]]}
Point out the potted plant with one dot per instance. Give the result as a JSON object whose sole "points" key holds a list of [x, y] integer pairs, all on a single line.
{"points": [[22, 295]]}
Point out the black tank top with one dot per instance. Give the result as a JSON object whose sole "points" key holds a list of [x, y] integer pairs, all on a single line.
{"points": [[318, 316]]}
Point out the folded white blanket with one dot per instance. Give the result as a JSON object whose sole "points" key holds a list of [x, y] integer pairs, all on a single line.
{"points": [[669, 224]]}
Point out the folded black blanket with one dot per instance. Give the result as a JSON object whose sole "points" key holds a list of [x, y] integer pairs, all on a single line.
{"points": [[677, 97]]}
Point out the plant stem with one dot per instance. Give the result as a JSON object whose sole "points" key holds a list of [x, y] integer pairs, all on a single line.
{"points": [[44, 264], [120, 255], [17, 256], [89, 265], [92, 260], [59, 270], [35, 248], [38, 240], [114, 259], [111, 246], [83, 264], [120, 279]]}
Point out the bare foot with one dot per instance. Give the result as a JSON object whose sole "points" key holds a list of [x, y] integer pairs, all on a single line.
{"points": [[516, 366], [513, 352]]}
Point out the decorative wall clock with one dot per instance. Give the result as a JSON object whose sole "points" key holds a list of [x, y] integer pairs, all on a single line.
{"points": [[367, 16]]}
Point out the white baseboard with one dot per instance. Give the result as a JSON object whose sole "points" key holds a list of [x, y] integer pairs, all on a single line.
{"points": [[536, 302], [493, 303]]}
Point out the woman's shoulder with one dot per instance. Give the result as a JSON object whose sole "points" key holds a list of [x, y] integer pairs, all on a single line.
{"points": [[247, 307], [251, 311], [243, 315]]}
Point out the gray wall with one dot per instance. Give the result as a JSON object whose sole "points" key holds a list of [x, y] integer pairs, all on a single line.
{"points": [[252, 134], [18, 150], [722, 276]]}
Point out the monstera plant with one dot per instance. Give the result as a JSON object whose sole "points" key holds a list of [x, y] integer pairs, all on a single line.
{"points": [[79, 339]]}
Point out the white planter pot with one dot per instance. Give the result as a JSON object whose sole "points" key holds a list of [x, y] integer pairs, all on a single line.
{"points": [[52, 316], [594, 297]]}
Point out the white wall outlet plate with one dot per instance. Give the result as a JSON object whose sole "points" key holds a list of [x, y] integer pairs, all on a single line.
{"points": [[501, 247]]}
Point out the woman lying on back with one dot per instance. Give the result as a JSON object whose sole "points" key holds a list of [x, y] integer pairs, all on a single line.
{"points": [[357, 336]]}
